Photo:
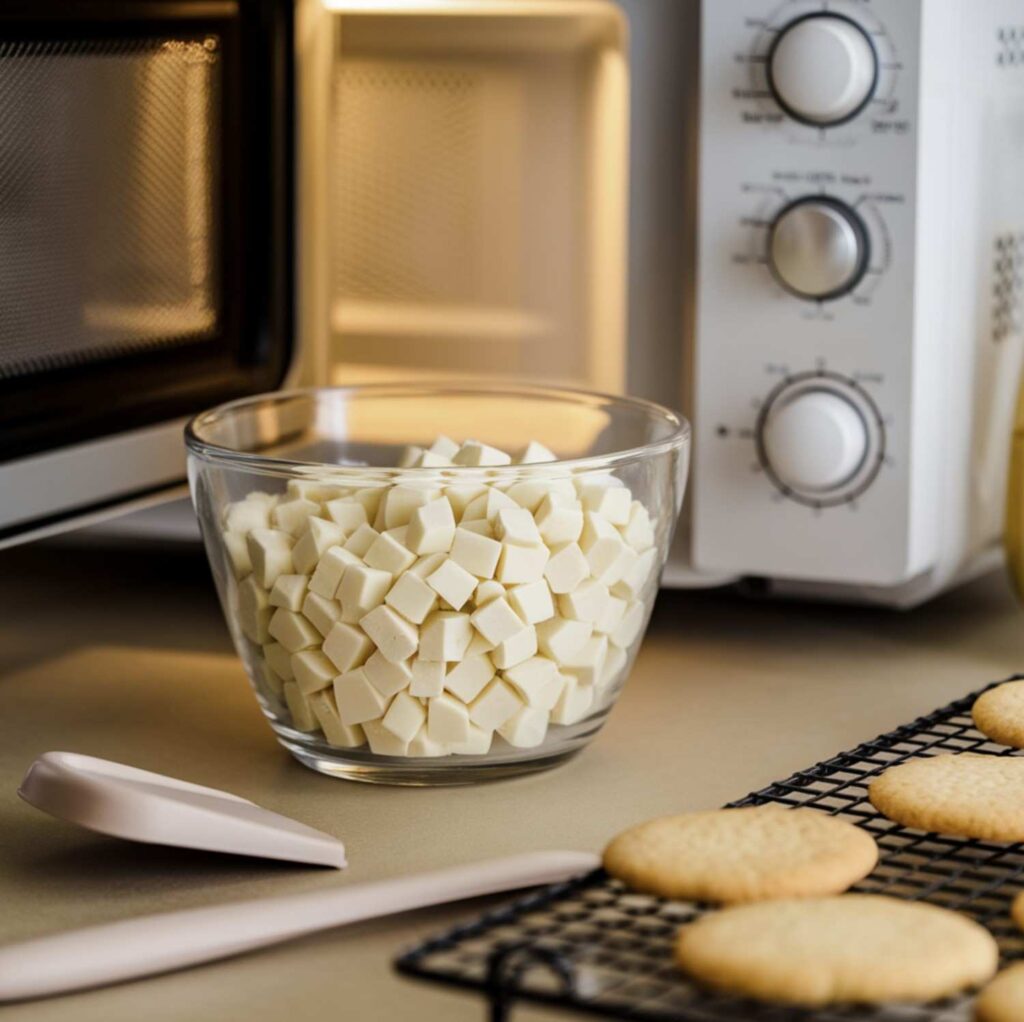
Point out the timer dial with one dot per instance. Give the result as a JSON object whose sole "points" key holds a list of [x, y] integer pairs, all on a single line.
{"points": [[818, 248], [823, 69]]}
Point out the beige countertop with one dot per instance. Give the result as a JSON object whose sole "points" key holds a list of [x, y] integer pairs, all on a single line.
{"points": [[123, 654]]}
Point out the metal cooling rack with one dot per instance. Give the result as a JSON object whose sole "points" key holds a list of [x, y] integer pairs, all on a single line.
{"points": [[592, 947]]}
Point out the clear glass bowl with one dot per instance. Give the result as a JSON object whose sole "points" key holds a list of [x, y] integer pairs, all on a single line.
{"points": [[260, 469]]}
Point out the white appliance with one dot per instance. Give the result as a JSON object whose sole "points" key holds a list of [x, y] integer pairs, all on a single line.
{"points": [[798, 221]]}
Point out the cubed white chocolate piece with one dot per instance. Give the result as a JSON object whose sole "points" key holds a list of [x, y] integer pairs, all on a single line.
{"points": [[319, 535], [478, 644], [312, 489], [362, 589], [270, 679], [461, 495], [371, 498], [496, 704], [534, 453], [427, 678], [486, 591], [423, 746], [537, 681], [293, 631], [560, 638], [496, 621], [326, 580], [387, 554], [566, 568], [401, 501], [586, 602], [477, 742], [467, 678], [559, 522], [445, 446], [280, 660], [489, 504], [638, 573], [452, 583], [270, 552], [382, 741], [526, 729], [405, 717], [292, 516], [515, 527], [347, 646], [529, 493], [342, 736], [638, 531], [395, 638], [445, 636], [427, 565], [361, 540], [630, 626], [289, 591], [237, 549], [386, 677], [587, 662], [614, 666], [480, 526], [430, 459], [245, 515], [313, 671], [474, 453], [477, 554], [358, 701], [611, 502], [515, 649], [254, 610], [611, 615], [532, 601], [521, 564], [409, 456], [347, 513], [303, 718], [447, 720], [412, 598], [321, 613], [431, 528], [574, 702], [606, 551]]}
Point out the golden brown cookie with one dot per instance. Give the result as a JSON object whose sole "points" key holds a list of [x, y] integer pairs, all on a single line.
{"points": [[746, 854], [1003, 999], [965, 794], [854, 948], [999, 714]]}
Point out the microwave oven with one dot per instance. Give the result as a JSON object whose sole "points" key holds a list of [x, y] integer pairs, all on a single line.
{"points": [[797, 221]]}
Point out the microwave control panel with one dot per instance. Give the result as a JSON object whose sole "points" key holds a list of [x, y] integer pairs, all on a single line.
{"points": [[806, 269]]}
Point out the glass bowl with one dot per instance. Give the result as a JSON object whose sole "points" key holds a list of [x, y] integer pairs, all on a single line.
{"points": [[441, 617]]}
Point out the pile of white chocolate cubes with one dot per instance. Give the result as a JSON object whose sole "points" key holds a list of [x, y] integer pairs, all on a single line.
{"points": [[423, 617]]}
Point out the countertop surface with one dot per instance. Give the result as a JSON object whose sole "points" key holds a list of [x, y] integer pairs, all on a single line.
{"points": [[123, 654]]}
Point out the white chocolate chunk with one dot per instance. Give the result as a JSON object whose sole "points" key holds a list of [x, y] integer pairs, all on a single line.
{"points": [[486, 591], [387, 678], [358, 701], [638, 531], [270, 552], [496, 704], [361, 540], [289, 591], [347, 646], [313, 671], [488, 504], [515, 526], [237, 549], [559, 522], [447, 720], [427, 678], [292, 516], [445, 446], [402, 500], [630, 626], [280, 660], [382, 741], [560, 638], [477, 554], [293, 631], [515, 649], [477, 743], [245, 515], [613, 612], [606, 551], [338, 734], [395, 638], [534, 453], [361, 590], [467, 678], [347, 513], [537, 681], [326, 580], [480, 526], [529, 493], [386, 553], [614, 665], [270, 679], [452, 583], [478, 644], [412, 598], [370, 497], [474, 453], [254, 610], [461, 495], [640, 570], [405, 717], [611, 502], [321, 613], [428, 459], [587, 602], [566, 568], [303, 718], [445, 636], [422, 745], [496, 621], [427, 565], [319, 535], [521, 564], [525, 729], [532, 601], [409, 456], [312, 489], [587, 662], [574, 702], [431, 528]]}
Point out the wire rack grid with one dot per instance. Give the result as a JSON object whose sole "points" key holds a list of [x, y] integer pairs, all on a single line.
{"points": [[592, 947]]}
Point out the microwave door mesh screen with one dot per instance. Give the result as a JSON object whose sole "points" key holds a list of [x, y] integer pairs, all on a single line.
{"points": [[108, 204]]}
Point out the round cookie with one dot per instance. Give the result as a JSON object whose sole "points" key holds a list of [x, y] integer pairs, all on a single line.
{"points": [[746, 854], [862, 948], [1003, 999], [963, 794], [999, 714]]}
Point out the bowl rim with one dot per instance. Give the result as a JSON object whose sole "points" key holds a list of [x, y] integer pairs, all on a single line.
{"points": [[678, 437]]}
